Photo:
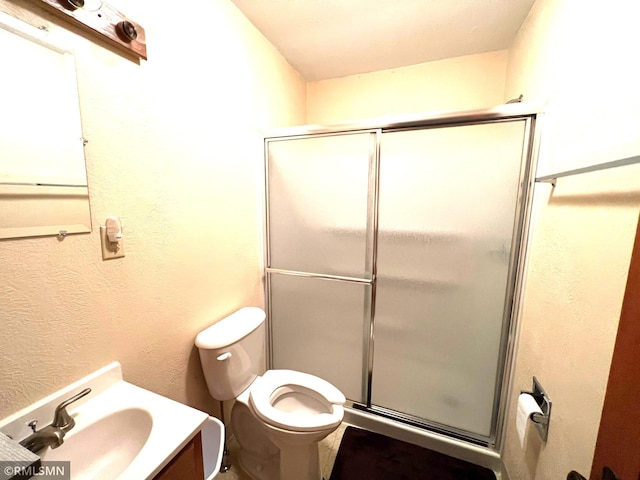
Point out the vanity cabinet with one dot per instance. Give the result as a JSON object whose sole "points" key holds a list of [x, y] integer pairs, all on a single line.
{"points": [[186, 465]]}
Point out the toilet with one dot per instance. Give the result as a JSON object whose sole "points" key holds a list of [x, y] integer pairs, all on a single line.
{"points": [[279, 416]]}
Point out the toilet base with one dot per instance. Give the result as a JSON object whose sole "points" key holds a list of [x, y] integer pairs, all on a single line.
{"points": [[257, 455], [259, 468], [299, 459]]}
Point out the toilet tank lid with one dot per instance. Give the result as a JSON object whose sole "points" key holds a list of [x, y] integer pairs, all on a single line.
{"points": [[231, 329]]}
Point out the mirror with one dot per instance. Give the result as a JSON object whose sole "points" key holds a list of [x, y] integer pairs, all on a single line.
{"points": [[43, 178]]}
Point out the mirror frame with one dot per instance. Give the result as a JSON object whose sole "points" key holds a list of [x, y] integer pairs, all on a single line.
{"points": [[44, 201]]}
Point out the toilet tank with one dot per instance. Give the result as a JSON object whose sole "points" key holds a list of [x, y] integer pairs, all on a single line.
{"points": [[232, 352]]}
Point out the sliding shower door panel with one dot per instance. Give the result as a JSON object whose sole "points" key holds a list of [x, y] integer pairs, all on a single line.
{"points": [[317, 329], [447, 211], [320, 217], [319, 204]]}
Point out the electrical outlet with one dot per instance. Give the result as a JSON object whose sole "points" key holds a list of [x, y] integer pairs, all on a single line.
{"points": [[109, 249]]}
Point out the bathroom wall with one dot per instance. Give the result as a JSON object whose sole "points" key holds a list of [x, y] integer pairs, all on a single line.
{"points": [[574, 57], [174, 150], [461, 83]]}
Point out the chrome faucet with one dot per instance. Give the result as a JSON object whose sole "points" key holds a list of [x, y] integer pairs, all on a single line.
{"points": [[53, 435]]}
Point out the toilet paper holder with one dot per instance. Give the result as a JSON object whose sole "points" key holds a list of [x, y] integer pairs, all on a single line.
{"points": [[540, 420]]}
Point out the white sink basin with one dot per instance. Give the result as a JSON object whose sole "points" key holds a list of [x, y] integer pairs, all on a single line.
{"points": [[119, 438], [121, 431]]}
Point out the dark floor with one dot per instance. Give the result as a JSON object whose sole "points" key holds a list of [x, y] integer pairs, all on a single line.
{"points": [[328, 451]]}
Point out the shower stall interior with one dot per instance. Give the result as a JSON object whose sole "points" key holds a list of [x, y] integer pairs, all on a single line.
{"points": [[392, 262]]}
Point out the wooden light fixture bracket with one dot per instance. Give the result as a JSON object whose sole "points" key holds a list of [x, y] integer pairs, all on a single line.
{"points": [[104, 21]]}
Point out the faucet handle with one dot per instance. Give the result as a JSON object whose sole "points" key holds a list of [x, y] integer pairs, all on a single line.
{"points": [[61, 418]]}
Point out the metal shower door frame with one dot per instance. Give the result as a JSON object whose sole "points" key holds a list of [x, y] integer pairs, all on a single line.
{"points": [[376, 127]]}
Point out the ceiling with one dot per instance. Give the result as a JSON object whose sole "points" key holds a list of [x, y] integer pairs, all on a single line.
{"points": [[333, 38]]}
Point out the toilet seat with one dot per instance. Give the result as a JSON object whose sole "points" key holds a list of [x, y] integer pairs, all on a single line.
{"points": [[322, 402]]}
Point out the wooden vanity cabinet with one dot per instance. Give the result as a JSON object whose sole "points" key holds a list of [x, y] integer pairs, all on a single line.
{"points": [[186, 465]]}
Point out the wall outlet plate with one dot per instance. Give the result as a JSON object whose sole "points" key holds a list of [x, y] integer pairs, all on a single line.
{"points": [[109, 249]]}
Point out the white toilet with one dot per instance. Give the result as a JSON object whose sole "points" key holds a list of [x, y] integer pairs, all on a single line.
{"points": [[279, 415]]}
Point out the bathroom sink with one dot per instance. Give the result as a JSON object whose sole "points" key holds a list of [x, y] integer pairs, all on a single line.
{"points": [[121, 431], [118, 437]]}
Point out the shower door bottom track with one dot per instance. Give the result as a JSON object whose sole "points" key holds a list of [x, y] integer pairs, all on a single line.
{"points": [[425, 424]]}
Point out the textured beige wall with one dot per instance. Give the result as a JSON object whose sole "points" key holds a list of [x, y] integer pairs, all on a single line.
{"points": [[461, 83], [174, 150], [574, 55]]}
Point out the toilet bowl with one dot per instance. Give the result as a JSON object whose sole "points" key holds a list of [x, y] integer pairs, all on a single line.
{"points": [[296, 401], [278, 417], [258, 456], [297, 410]]}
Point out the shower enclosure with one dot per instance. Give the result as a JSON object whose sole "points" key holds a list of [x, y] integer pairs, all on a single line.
{"points": [[393, 256]]}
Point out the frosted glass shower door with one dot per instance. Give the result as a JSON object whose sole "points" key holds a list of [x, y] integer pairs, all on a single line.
{"points": [[319, 255], [318, 329], [447, 211], [319, 205]]}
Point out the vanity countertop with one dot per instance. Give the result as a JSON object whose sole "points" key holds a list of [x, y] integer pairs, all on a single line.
{"points": [[121, 430]]}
